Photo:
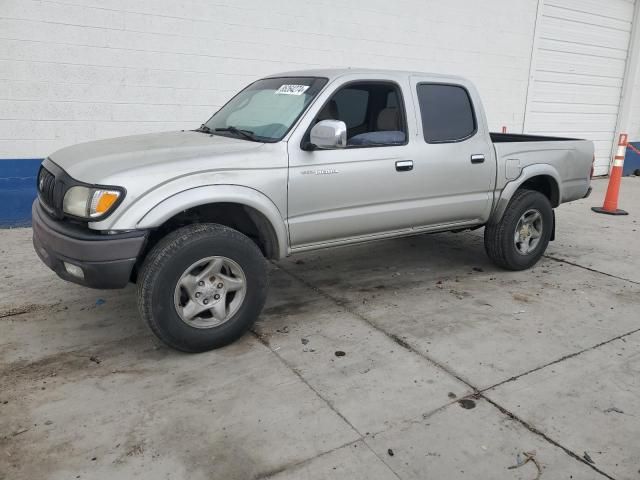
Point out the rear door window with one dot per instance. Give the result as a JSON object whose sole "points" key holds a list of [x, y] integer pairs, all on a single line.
{"points": [[446, 111]]}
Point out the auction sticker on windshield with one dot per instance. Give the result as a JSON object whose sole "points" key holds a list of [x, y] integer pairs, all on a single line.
{"points": [[292, 89]]}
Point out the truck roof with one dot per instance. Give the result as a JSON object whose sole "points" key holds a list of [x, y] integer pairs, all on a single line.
{"points": [[332, 73]]}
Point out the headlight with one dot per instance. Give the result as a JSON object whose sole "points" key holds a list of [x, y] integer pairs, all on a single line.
{"points": [[75, 201], [89, 202]]}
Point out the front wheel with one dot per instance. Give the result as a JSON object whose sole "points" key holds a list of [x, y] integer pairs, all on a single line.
{"points": [[202, 286], [521, 237]]}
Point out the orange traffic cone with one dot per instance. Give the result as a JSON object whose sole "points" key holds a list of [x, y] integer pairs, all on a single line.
{"points": [[610, 206]]}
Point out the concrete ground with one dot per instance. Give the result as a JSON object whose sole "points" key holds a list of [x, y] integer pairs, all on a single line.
{"points": [[452, 368]]}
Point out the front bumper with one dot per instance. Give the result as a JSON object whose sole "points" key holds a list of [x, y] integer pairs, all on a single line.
{"points": [[106, 260]]}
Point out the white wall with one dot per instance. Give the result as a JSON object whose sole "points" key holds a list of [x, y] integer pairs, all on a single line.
{"points": [[76, 70]]}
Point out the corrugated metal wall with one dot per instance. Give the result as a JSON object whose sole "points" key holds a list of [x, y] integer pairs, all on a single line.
{"points": [[578, 71]]}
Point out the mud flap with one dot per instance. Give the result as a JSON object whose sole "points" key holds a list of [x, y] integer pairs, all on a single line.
{"points": [[553, 226]]}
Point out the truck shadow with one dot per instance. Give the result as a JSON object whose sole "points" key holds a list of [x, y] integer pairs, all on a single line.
{"points": [[424, 256], [303, 286]]}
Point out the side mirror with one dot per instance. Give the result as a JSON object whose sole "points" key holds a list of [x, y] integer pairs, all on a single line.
{"points": [[329, 134]]}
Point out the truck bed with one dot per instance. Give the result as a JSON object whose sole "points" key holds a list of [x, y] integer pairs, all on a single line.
{"points": [[567, 160], [520, 137]]}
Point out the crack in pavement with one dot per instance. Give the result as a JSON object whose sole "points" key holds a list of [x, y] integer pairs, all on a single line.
{"points": [[561, 359], [476, 391], [304, 380], [346, 305], [478, 237], [535, 431], [284, 468], [382, 460], [562, 260], [361, 437]]}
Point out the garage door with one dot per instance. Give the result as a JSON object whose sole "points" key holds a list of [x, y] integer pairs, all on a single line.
{"points": [[578, 69]]}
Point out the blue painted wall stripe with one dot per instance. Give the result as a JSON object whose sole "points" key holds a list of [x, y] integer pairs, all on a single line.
{"points": [[17, 190], [631, 160]]}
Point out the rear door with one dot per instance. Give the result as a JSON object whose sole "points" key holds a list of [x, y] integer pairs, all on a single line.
{"points": [[456, 161]]}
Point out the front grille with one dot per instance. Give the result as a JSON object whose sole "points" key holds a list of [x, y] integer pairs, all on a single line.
{"points": [[51, 190], [46, 187]]}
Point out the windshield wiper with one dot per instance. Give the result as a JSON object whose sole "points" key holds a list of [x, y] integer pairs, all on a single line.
{"points": [[204, 129], [248, 134]]}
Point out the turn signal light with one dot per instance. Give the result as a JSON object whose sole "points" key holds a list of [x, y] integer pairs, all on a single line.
{"points": [[102, 201]]}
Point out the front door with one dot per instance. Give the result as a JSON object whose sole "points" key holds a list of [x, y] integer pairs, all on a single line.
{"points": [[364, 189]]}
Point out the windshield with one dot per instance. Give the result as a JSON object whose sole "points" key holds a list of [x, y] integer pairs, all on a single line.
{"points": [[266, 109]]}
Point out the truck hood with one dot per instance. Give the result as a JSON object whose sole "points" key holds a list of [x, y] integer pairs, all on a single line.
{"points": [[99, 161]]}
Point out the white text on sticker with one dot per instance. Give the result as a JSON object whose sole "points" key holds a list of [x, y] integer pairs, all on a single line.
{"points": [[292, 89]]}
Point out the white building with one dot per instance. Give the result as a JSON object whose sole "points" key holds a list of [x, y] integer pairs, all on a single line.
{"points": [[76, 70]]}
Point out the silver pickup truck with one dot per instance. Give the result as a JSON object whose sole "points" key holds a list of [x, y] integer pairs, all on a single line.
{"points": [[294, 162]]}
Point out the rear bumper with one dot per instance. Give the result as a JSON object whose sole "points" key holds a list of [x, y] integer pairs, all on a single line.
{"points": [[106, 260]]}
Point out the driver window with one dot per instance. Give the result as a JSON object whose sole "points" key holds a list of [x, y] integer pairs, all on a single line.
{"points": [[371, 111]]}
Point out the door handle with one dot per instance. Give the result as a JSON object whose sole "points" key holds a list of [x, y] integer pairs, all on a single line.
{"points": [[404, 165], [477, 158]]}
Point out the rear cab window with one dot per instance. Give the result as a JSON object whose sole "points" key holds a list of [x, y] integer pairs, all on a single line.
{"points": [[446, 111]]}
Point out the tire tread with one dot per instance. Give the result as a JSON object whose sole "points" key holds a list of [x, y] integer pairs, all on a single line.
{"points": [[164, 249], [496, 241]]}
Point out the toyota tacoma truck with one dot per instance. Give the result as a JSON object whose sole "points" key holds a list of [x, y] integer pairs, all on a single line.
{"points": [[294, 162]]}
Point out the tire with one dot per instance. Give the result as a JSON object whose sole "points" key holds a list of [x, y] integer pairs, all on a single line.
{"points": [[163, 304], [499, 238]]}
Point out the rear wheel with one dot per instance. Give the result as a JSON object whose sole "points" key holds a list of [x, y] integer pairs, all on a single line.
{"points": [[521, 237], [202, 287]]}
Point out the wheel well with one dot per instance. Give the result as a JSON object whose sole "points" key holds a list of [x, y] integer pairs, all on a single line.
{"points": [[546, 185], [242, 218]]}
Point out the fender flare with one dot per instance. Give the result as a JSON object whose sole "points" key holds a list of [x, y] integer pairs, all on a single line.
{"points": [[202, 195], [528, 172]]}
